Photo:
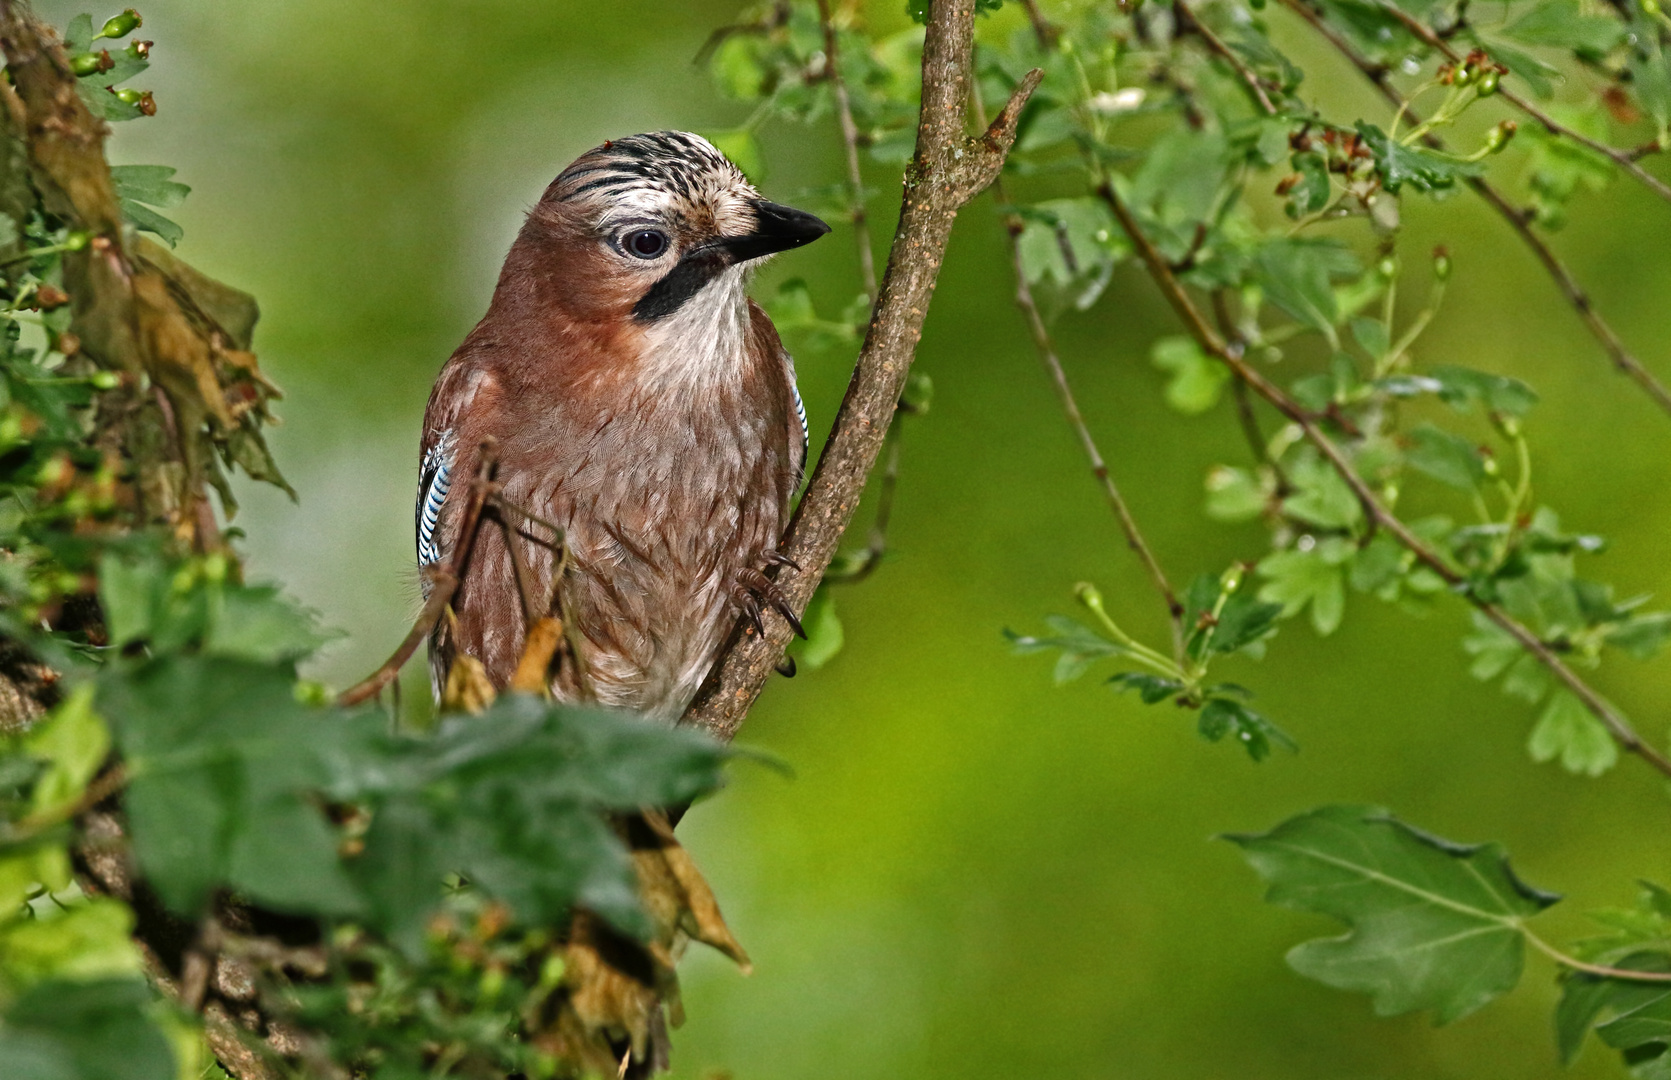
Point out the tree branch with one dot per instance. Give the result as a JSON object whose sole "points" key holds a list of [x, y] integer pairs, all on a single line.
{"points": [[1517, 220], [1209, 340], [947, 170]]}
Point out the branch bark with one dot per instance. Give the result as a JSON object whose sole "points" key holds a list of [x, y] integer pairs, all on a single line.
{"points": [[948, 169]]}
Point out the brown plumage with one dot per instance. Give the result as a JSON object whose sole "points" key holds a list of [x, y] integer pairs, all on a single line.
{"points": [[640, 402]]}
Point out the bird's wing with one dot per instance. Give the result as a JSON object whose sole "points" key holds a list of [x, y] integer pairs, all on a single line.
{"points": [[453, 428], [800, 437]]}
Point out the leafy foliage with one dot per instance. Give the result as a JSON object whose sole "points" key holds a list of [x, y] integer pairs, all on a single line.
{"points": [[1434, 925]]}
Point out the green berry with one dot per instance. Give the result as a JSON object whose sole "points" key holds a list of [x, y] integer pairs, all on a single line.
{"points": [[1488, 83], [1441, 263], [90, 63], [1387, 268], [121, 25], [105, 380]]}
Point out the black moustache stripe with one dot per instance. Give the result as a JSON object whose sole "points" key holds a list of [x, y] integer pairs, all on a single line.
{"points": [[681, 283]]}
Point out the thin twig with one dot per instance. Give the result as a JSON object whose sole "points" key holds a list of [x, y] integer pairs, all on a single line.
{"points": [[1052, 363], [850, 146], [947, 170], [1255, 85], [1209, 340], [443, 583], [1621, 356], [1625, 159]]}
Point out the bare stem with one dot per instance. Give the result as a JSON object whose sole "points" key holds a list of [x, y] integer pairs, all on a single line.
{"points": [[1517, 219], [1212, 343]]}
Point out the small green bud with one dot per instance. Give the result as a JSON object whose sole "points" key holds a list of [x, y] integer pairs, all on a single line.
{"points": [[492, 983], [215, 567], [121, 25], [1488, 83], [1465, 75], [1650, 8], [1231, 579], [139, 99], [105, 380], [1089, 595], [1508, 425], [1489, 464], [77, 240], [91, 63], [1499, 136], [1441, 263], [1387, 268]]}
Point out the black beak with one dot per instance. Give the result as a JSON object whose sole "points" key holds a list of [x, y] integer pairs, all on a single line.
{"points": [[777, 228]]}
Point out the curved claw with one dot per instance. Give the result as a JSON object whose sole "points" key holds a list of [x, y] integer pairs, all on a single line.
{"points": [[778, 558], [758, 584]]}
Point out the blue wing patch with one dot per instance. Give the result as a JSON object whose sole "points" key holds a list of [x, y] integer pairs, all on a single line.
{"points": [[800, 414], [432, 492]]}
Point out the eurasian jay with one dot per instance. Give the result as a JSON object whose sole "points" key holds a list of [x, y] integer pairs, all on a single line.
{"points": [[642, 404]]}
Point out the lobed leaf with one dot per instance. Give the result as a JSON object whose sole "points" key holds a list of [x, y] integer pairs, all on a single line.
{"points": [[1433, 925]]}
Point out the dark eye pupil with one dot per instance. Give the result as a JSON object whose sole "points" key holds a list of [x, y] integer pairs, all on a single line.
{"points": [[647, 244]]}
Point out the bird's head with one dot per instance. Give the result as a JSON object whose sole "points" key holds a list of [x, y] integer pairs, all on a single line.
{"points": [[644, 224]]}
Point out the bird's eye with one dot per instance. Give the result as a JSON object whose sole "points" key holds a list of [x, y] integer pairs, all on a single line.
{"points": [[645, 243]]}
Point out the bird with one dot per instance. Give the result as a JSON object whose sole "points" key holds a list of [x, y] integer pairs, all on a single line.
{"points": [[646, 426]]}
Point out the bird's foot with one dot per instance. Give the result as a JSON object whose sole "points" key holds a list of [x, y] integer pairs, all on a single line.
{"points": [[751, 588]]}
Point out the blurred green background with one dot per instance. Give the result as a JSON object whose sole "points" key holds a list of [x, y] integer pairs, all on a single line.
{"points": [[974, 873]]}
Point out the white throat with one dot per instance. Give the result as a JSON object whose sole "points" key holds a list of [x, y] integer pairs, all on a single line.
{"points": [[703, 342]]}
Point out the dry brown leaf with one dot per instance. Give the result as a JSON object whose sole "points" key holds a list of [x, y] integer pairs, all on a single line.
{"points": [[468, 687], [533, 670]]}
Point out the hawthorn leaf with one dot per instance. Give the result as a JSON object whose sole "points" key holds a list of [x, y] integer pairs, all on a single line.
{"points": [[1569, 732], [1432, 924], [1427, 171]]}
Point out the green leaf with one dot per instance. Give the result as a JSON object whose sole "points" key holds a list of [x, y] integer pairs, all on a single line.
{"points": [[1561, 24], [1197, 379], [88, 939], [73, 742], [1427, 171], [1234, 494], [1079, 646], [1312, 192], [1371, 334], [1434, 925], [1568, 731], [1295, 578], [1642, 636], [1298, 276], [1322, 497], [144, 218], [258, 623], [1447, 458], [1462, 388], [1645, 1006], [1152, 689], [149, 184], [84, 1031], [824, 634], [1222, 716], [1243, 620], [78, 35]]}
